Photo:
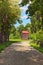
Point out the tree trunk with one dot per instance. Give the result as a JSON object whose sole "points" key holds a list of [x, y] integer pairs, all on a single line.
{"points": [[41, 44], [42, 22], [0, 37], [3, 38]]}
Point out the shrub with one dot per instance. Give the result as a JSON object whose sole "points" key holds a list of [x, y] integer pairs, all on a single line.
{"points": [[39, 37], [33, 36], [16, 37]]}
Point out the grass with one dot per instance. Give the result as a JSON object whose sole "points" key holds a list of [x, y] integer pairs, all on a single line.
{"points": [[16, 40], [6, 44], [34, 45]]}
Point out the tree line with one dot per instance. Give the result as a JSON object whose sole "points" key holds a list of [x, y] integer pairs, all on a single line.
{"points": [[9, 14], [16, 31], [35, 13]]}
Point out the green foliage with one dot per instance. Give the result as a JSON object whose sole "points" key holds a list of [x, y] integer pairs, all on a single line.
{"points": [[35, 12], [9, 15], [16, 36], [36, 22], [13, 30], [21, 28], [35, 6], [33, 36], [39, 36], [27, 27], [9, 11], [4, 45], [34, 45], [24, 2]]}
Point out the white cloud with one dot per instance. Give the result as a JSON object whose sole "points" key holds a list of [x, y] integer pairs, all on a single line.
{"points": [[24, 17], [30, 2], [24, 8]]}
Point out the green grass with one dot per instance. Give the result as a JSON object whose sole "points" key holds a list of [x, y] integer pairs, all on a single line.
{"points": [[6, 44], [16, 40], [34, 45]]}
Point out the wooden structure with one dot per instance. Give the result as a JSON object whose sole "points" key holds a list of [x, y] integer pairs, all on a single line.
{"points": [[25, 35]]}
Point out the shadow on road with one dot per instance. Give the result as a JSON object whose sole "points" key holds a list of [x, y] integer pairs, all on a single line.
{"points": [[19, 54]]}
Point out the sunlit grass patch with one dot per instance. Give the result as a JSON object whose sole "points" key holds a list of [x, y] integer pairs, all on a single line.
{"points": [[34, 45]]}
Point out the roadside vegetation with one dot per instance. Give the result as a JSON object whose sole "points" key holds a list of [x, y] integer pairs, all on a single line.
{"points": [[15, 36], [36, 46], [4, 45], [37, 40], [35, 12], [11, 15]]}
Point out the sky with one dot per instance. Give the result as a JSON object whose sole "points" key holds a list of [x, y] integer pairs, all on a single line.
{"points": [[23, 16]]}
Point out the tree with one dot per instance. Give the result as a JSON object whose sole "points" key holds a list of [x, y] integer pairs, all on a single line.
{"points": [[35, 12], [9, 14], [13, 30], [36, 5], [21, 28], [27, 26], [36, 22], [24, 2]]}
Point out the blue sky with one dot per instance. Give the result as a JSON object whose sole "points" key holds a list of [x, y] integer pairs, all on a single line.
{"points": [[23, 16]]}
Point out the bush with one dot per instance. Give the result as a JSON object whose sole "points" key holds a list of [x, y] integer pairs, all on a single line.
{"points": [[33, 36], [39, 37], [14, 37]]}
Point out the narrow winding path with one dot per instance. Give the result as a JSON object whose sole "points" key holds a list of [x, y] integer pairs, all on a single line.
{"points": [[21, 54]]}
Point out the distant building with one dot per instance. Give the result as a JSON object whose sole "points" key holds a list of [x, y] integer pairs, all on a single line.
{"points": [[25, 35]]}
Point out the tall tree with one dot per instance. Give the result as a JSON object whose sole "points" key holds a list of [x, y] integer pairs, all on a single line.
{"points": [[21, 28], [36, 5], [27, 26], [36, 22], [9, 14]]}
